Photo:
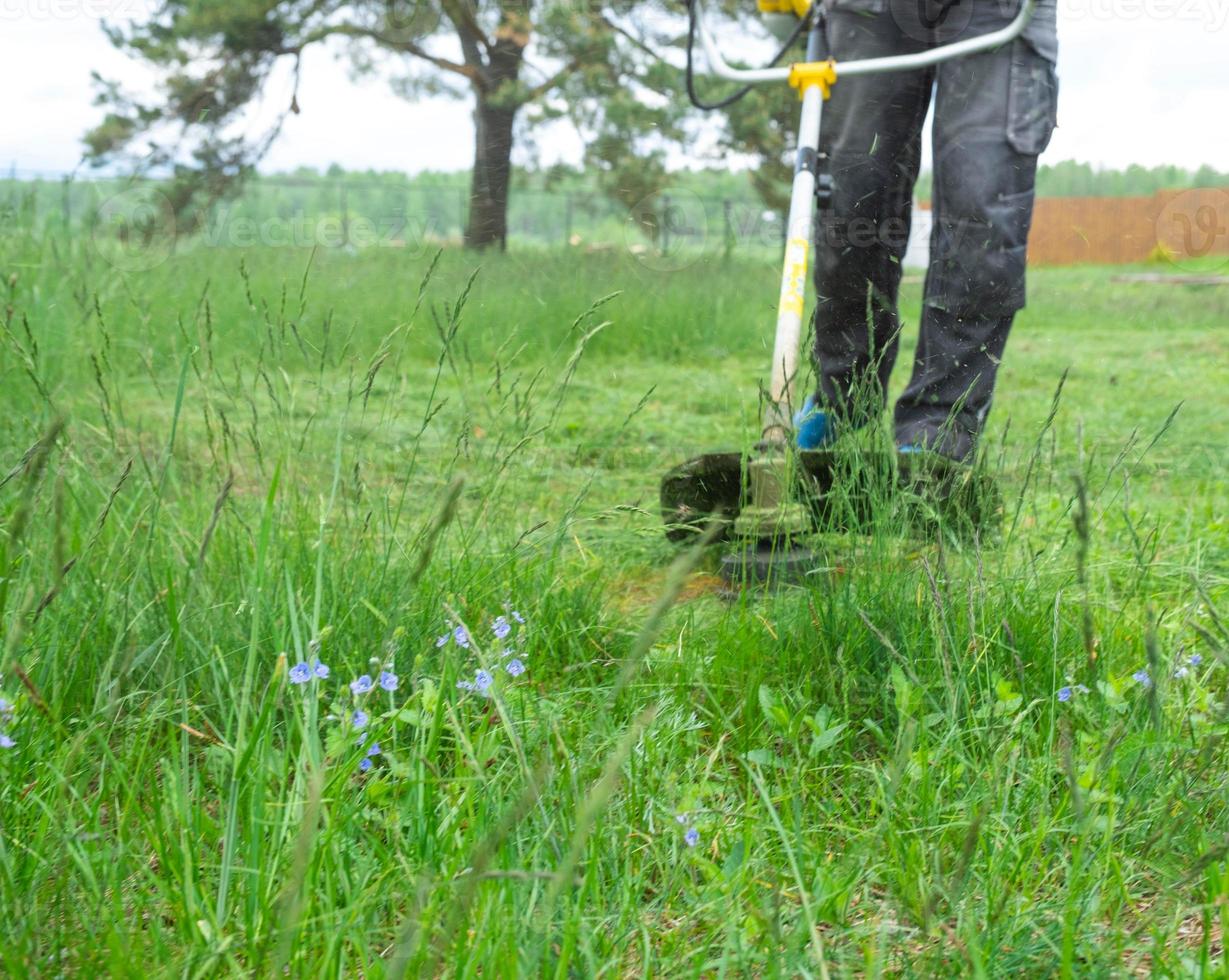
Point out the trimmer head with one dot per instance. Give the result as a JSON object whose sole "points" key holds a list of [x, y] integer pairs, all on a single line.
{"points": [[840, 490], [771, 563]]}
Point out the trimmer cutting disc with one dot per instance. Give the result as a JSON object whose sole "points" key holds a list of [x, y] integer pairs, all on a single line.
{"points": [[765, 563], [843, 490]]}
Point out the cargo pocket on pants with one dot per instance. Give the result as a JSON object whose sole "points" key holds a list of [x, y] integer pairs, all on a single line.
{"points": [[1032, 100]]}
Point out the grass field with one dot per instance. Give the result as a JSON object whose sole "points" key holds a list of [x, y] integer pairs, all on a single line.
{"points": [[241, 461]]}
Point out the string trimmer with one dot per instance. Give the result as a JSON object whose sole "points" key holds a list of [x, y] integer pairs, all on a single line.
{"points": [[770, 498]]}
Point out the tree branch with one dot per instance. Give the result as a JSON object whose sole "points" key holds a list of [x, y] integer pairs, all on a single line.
{"points": [[355, 32], [546, 85], [630, 36], [469, 31]]}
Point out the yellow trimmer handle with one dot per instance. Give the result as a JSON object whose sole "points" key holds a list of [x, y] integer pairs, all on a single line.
{"points": [[799, 8]]}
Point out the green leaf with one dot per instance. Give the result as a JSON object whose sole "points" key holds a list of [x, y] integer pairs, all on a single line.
{"points": [[828, 738], [904, 692], [734, 860]]}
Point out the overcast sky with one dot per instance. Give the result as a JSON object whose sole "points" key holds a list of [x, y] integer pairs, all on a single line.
{"points": [[1143, 81]]}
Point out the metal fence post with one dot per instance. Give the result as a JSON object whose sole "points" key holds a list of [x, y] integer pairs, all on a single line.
{"points": [[345, 213], [665, 224], [66, 190], [727, 227]]}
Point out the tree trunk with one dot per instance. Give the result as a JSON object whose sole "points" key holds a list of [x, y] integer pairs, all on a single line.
{"points": [[488, 195]]}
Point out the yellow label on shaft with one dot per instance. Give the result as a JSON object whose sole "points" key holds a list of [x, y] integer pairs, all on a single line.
{"points": [[794, 276]]}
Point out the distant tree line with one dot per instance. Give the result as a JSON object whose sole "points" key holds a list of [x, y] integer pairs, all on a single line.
{"points": [[1067, 178], [1070, 178]]}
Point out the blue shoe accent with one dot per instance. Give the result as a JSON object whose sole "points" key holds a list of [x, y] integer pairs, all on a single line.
{"points": [[812, 428], [910, 448]]}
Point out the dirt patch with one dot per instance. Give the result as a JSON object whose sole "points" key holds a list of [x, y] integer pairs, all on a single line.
{"points": [[636, 593]]}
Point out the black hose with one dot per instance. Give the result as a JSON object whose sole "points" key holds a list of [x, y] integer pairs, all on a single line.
{"points": [[730, 99]]}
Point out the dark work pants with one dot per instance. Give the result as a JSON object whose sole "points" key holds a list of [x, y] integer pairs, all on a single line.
{"points": [[994, 113]]}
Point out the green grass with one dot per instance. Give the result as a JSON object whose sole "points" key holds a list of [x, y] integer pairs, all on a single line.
{"points": [[267, 454]]}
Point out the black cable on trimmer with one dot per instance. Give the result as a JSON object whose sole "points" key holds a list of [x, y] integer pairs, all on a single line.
{"points": [[729, 100]]}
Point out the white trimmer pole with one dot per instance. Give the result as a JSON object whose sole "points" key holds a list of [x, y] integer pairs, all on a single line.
{"points": [[778, 414], [771, 512]]}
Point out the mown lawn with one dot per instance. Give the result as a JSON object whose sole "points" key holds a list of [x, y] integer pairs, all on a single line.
{"points": [[242, 461]]}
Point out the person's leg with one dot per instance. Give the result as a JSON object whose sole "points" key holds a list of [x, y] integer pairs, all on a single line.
{"points": [[994, 113], [872, 134]]}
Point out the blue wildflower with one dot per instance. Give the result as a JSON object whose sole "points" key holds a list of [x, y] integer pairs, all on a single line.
{"points": [[514, 668], [483, 681], [692, 837], [680, 818], [516, 615], [364, 765], [388, 680], [441, 640], [1142, 677], [361, 686], [359, 719], [1195, 659], [501, 627], [374, 749], [320, 670], [6, 742], [1064, 694], [465, 685], [1181, 672], [1080, 689], [461, 635], [300, 673]]}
